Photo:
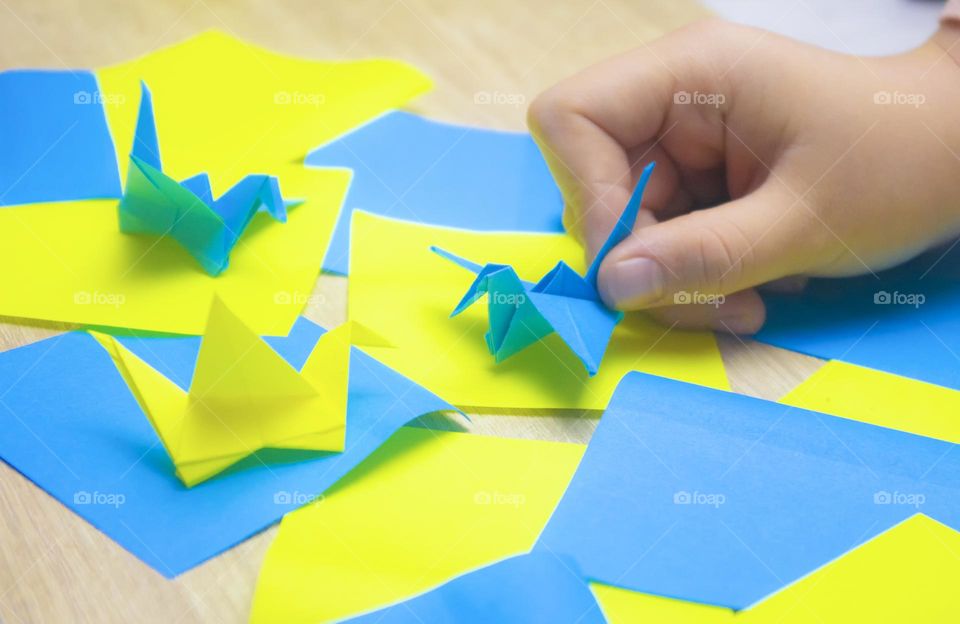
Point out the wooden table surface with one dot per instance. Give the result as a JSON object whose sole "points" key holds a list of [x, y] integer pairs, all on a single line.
{"points": [[54, 567]]}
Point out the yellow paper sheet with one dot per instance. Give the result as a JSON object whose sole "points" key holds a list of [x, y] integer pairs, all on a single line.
{"points": [[907, 574], [881, 399], [426, 507], [231, 108], [401, 289], [69, 262]]}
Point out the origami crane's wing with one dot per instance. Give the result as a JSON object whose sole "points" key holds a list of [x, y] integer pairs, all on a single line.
{"points": [[585, 325]]}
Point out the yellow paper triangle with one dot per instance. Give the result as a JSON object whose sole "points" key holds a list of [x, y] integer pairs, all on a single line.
{"points": [[882, 399], [235, 365], [907, 574]]}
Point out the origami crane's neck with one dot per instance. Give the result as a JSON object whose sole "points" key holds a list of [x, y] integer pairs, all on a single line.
{"points": [[146, 146], [622, 228]]}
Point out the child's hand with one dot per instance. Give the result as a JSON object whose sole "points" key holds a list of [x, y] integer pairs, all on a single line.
{"points": [[815, 163]]}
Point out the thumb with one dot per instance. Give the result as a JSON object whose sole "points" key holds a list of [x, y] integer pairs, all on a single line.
{"points": [[760, 237]]}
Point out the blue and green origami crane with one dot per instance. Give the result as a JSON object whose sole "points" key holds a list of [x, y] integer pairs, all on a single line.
{"points": [[155, 203], [563, 301]]}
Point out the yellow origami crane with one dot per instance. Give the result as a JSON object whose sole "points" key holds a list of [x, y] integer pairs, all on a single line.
{"points": [[244, 396]]}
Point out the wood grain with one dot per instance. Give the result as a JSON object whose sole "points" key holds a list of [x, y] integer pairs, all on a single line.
{"points": [[54, 567]]}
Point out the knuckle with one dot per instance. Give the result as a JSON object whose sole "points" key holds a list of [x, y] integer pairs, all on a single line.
{"points": [[547, 111], [814, 222], [724, 256], [555, 110]]}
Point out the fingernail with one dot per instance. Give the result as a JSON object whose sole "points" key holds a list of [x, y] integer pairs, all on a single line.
{"points": [[633, 283]]}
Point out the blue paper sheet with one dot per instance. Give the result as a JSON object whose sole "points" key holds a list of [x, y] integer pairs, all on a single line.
{"points": [[54, 140], [521, 314], [411, 168], [904, 321], [71, 425], [536, 587], [720, 498]]}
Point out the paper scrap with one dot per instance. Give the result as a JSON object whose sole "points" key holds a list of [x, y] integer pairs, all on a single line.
{"points": [[408, 167], [402, 291], [156, 204], [72, 426], [723, 499], [906, 574], [903, 321], [881, 399], [56, 145], [424, 508], [536, 587], [521, 314]]}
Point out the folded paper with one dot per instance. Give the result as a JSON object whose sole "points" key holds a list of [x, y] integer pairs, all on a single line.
{"points": [[408, 167], [903, 320], [402, 291], [537, 587], [56, 144], [208, 228], [563, 301], [723, 499], [244, 397], [72, 426], [881, 399], [424, 508], [905, 574]]}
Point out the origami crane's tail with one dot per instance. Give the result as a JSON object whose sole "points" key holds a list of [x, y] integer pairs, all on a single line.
{"points": [[470, 266], [255, 192]]}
